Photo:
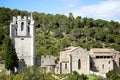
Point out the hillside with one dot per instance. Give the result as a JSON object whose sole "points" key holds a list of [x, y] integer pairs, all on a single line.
{"points": [[55, 32]]}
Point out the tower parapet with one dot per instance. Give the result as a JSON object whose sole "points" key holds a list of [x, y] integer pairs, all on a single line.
{"points": [[22, 26]]}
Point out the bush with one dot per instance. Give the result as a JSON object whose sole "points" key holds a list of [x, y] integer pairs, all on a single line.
{"points": [[29, 73], [3, 75], [112, 75], [94, 77], [76, 76]]}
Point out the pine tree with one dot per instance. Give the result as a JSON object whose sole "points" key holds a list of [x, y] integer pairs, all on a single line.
{"points": [[11, 59]]}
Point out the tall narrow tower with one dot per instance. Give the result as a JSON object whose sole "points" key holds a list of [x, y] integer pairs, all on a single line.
{"points": [[22, 33]]}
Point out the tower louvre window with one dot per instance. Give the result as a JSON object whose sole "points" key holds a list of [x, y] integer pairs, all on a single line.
{"points": [[22, 26]]}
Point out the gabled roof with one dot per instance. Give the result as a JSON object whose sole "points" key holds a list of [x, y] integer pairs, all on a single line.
{"points": [[68, 49]]}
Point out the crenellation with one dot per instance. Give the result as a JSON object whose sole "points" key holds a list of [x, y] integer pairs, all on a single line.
{"points": [[25, 18], [14, 19], [19, 17]]}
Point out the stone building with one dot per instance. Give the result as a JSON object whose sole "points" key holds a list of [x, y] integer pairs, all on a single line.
{"points": [[74, 59], [96, 61], [47, 62], [22, 33], [103, 60]]}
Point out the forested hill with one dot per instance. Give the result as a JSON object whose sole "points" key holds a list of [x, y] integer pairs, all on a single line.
{"points": [[55, 32]]}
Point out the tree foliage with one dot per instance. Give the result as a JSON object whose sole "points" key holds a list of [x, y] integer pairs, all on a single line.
{"points": [[112, 75], [28, 73], [51, 30], [11, 59], [76, 76]]}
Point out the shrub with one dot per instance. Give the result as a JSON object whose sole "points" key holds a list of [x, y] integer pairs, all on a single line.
{"points": [[76, 76], [94, 77], [112, 75]]}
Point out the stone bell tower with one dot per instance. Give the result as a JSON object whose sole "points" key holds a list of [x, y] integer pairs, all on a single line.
{"points": [[22, 33]]}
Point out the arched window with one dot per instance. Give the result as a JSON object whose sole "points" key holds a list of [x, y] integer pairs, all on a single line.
{"points": [[103, 66], [16, 32], [22, 26], [65, 65], [79, 64]]}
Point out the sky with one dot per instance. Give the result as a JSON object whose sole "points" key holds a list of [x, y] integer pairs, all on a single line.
{"points": [[97, 9]]}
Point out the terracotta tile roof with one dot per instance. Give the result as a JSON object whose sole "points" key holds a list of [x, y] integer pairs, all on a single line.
{"points": [[68, 49], [101, 50]]}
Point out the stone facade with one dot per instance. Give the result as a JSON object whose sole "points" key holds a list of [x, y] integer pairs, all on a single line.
{"points": [[74, 59], [104, 60], [96, 61], [80, 61], [22, 33], [47, 62]]}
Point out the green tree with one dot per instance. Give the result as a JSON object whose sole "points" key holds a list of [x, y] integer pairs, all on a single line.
{"points": [[112, 75], [78, 23], [33, 73], [117, 40], [100, 35], [77, 33], [100, 23], [65, 43], [71, 21], [11, 59], [90, 22]]}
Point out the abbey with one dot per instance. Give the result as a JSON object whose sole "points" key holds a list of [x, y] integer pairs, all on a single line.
{"points": [[22, 33], [96, 61]]}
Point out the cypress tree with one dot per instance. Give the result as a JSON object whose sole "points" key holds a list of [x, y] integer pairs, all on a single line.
{"points": [[11, 59]]}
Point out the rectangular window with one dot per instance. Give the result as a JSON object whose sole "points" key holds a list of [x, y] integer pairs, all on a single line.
{"points": [[79, 64]]}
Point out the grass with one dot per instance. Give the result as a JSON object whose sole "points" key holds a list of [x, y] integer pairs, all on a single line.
{"points": [[94, 77]]}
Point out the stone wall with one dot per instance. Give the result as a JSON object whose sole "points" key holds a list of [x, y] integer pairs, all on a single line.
{"points": [[69, 61], [64, 67], [47, 60], [23, 50], [102, 65], [80, 61]]}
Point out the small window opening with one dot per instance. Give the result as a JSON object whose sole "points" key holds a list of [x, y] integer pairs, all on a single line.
{"points": [[79, 64], [103, 66], [65, 66]]}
